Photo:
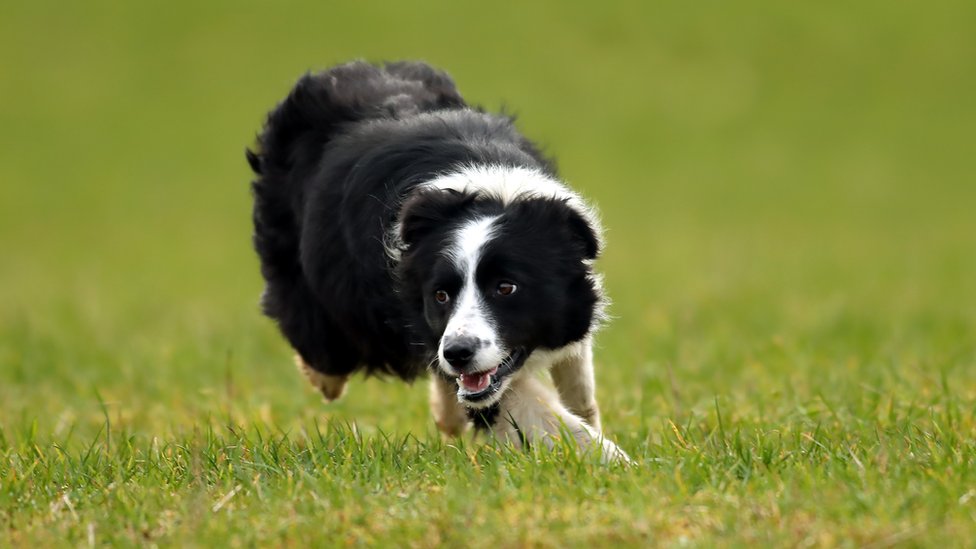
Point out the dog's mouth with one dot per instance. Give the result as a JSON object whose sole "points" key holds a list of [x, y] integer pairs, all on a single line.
{"points": [[481, 386]]}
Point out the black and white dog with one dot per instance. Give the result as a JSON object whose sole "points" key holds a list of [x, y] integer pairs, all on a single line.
{"points": [[401, 231]]}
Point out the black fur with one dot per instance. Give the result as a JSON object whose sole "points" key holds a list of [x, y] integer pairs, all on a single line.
{"points": [[484, 418], [537, 245], [337, 166]]}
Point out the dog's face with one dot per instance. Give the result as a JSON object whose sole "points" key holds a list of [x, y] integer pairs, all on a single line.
{"points": [[488, 283]]}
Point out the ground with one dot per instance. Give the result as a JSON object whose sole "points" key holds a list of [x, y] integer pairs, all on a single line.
{"points": [[791, 255]]}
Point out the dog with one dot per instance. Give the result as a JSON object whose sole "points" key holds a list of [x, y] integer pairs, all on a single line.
{"points": [[401, 232]]}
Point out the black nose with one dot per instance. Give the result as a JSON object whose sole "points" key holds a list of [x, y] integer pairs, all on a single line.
{"points": [[459, 351]]}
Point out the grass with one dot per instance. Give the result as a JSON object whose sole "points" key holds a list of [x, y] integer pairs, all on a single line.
{"points": [[893, 473], [789, 199]]}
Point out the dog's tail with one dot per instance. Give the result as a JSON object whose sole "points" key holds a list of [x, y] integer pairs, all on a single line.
{"points": [[288, 151]]}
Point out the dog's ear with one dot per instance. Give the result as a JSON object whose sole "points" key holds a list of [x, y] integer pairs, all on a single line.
{"points": [[576, 227], [584, 232], [428, 210]]}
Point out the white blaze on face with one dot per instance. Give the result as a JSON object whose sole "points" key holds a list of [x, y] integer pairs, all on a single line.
{"points": [[470, 317]]}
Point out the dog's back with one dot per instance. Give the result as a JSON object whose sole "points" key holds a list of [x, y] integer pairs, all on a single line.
{"points": [[319, 105], [399, 229], [289, 152]]}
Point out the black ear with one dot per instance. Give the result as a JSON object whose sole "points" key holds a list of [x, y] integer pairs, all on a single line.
{"points": [[585, 232], [428, 210], [575, 226]]}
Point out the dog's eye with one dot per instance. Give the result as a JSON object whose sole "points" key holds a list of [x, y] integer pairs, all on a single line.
{"points": [[506, 288], [441, 297]]}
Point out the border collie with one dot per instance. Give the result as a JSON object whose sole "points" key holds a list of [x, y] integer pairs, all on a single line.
{"points": [[402, 232]]}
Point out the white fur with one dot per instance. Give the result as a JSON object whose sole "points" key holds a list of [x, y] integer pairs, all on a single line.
{"points": [[531, 411], [471, 237], [505, 182], [470, 316], [529, 408], [573, 376], [510, 183], [449, 414]]}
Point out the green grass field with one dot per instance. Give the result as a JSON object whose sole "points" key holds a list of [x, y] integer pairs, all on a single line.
{"points": [[789, 195]]}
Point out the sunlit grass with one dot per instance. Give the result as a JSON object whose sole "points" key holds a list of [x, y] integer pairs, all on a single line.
{"points": [[896, 471], [791, 256]]}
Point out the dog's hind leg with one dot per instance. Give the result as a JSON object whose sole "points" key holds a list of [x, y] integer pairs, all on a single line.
{"points": [[573, 377], [331, 386], [448, 413]]}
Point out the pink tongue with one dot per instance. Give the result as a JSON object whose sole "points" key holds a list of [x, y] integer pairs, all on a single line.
{"points": [[477, 382]]}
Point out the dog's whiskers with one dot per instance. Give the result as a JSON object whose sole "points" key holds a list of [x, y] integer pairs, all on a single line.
{"points": [[396, 237]]}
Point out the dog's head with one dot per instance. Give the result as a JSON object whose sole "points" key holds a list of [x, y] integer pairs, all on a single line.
{"points": [[491, 279]]}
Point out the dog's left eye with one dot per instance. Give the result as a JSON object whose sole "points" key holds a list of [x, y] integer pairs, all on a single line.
{"points": [[442, 297], [506, 288]]}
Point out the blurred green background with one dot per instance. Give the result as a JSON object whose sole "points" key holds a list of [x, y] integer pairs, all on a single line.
{"points": [[788, 190]]}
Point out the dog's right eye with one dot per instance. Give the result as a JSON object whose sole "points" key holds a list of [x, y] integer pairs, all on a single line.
{"points": [[441, 297]]}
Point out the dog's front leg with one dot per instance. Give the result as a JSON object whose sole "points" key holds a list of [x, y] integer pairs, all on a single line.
{"points": [[530, 413], [449, 415], [573, 376]]}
